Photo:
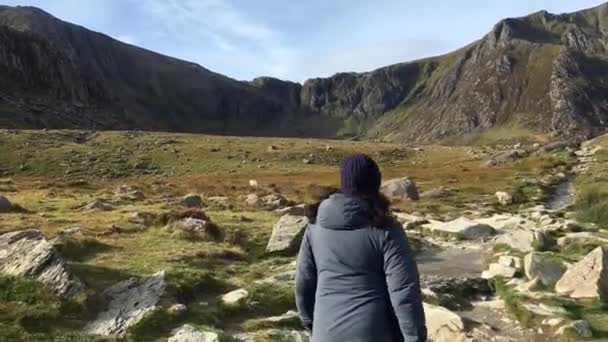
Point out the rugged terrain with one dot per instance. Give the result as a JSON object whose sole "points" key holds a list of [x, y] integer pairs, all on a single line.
{"points": [[543, 73], [153, 235]]}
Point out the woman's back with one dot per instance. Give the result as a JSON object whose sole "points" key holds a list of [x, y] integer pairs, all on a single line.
{"points": [[352, 300]]}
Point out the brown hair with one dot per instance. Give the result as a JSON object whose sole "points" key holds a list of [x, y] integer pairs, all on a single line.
{"points": [[379, 215]]}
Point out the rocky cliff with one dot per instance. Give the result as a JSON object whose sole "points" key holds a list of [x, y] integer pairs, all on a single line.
{"points": [[544, 72]]}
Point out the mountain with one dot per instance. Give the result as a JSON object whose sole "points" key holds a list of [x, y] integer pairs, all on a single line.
{"points": [[543, 72]]}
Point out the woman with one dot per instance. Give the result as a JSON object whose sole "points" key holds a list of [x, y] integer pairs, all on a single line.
{"points": [[356, 279]]}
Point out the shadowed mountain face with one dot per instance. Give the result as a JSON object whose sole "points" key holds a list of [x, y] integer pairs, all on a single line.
{"points": [[545, 72]]}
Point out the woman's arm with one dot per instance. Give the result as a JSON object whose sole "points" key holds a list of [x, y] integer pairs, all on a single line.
{"points": [[306, 281], [403, 285]]}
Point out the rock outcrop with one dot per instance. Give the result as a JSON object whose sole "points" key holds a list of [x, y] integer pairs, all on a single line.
{"points": [[587, 278], [401, 188], [188, 333], [129, 301], [547, 271], [56, 74], [287, 234], [27, 253]]}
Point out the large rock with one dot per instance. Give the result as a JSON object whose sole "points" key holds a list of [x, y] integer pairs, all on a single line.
{"points": [[523, 239], [578, 328], [504, 198], [203, 229], [587, 278], [499, 270], [268, 202], [125, 192], [191, 201], [188, 333], [129, 301], [443, 325], [401, 188], [5, 205], [579, 238], [548, 271], [287, 233], [506, 157], [235, 296], [27, 253], [462, 228]]}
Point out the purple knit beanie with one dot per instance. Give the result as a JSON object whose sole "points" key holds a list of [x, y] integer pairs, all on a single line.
{"points": [[359, 174]]}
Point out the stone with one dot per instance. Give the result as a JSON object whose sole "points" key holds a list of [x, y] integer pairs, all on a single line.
{"points": [[504, 198], [100, 204], [506, 157], [529, 286], [125, 192], [5, 205], [462, 228], [252, 200], [443, 325], [499, 270], [274, 335], [502, 222], [509, 261], [587, 278], [548, 271], [129, 301], [205, 229], [234, 297], [268, 202], [253, 183], [143, 218], [298, 210], [410, 221], [579, 328], [545, 310], [287, 234], [523, 239], [306, 161], [191, 201], [580, 238], [272, 148], [401, 188], [188, 333], [434, 193], [177, 309], [553, 322], [286, 317], [27, 253]]}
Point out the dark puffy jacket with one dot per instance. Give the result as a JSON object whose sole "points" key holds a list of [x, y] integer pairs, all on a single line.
{"points": [[355, 282]]}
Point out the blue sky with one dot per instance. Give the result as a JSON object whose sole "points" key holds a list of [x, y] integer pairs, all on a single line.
{"points": [[296, 39]]}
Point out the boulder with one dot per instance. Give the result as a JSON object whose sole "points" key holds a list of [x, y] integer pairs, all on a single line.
{"points": [[579, 239], [204, 229], [506, 157], [235, 296], [499, 270], [298, 210], [587, 278], [289, 316], [401, 188], [191, 201], [555, 146], [129, 301], [27, 253], [268, 202], [434, 193], [286, 278], [287, 234], [188, 333], [177, 309], [523, 239], [100, 204], [504, 198], [253, 183], [545, 310], [462, 228], [443, 325], [125, 192], [578, 328], [5, 205], [548, 271], [143, 218]]}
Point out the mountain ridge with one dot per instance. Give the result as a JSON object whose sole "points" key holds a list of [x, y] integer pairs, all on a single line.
{"points": [[542, 71]]}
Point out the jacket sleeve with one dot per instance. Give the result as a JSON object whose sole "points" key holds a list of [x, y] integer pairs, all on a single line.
{"points": [[306, 281], [403, 285]]}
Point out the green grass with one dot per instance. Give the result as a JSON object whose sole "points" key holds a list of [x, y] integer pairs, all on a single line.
{"points": [[592, 204], [502, 135]]}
